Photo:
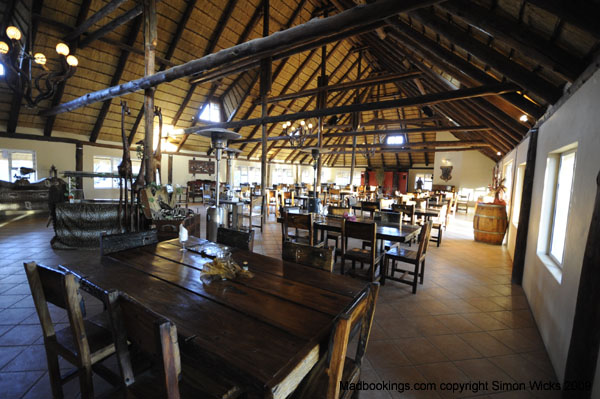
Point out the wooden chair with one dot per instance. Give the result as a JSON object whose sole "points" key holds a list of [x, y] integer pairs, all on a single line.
{"points": [[333, 235], [256, 209], [84, 343], [300, 222], [369, 206], [154, 339], [415, 258], [287, 198], [372, 257], [272, 201], [110, 243], [324, 380], [242, 239], [408, 212], [335, 197], [439, 224], [307, 255], [462, 203]]}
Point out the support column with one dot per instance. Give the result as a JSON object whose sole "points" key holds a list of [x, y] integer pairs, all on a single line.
{"points": [[79, 165], [170, 170], [150, 40], [355, 121], [265, 87]]}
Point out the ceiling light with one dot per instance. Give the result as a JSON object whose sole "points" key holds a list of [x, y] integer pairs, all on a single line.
{"points": [[498, 153], [13, 33], [523, 118]]}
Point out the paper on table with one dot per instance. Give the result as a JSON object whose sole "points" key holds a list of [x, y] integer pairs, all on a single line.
{"points": [[183, 233]]}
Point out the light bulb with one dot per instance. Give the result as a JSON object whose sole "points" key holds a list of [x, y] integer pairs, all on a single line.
{"points": [[39, 58], [498, 153], [62, 49], [523, 118], [72, 61], [302, 123], [310, 125], [13, 33], [3, 48]]}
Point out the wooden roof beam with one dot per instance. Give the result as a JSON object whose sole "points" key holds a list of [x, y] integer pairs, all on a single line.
{"points": [[85, 25], [434, 98], [454, 65], [120, 68], [263, 47], [518, 36], [513, 71], [347, 85], [584, 15]]}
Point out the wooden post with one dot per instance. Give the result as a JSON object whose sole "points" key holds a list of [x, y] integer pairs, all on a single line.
{"points": [[170, 170], [322, 82], [79, 165], [150, 40], [585, 338], [522, 231], [265, 86]]}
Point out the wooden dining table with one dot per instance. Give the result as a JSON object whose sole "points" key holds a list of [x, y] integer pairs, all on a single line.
{"points": [[263, 332], [385, 231]]}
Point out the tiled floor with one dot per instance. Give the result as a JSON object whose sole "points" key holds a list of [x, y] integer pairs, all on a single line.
{"points": [[466, 324]]}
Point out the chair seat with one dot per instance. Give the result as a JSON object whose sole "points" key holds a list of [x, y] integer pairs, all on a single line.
{"points": [[315, 385], [402, 254], [362, 255], [99, 338]]}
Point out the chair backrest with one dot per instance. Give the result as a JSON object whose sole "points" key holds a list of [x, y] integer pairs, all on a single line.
{"points": [[386, 203], [110, 243], [421, 203], [387, 217], [337, 210], [60, 288], [366, 231], [307, 255], [424, 239], [334, 193], [256, 205], [406, 210], [360, 314], [242, 239], [149, 333], [298, 221]]}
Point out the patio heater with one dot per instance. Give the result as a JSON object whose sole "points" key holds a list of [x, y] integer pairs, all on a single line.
{"points": [[315, 152], [216, 216]]}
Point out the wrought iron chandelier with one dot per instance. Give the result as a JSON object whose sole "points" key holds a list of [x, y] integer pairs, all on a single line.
{"points": [[297, 135], [19, 71]]}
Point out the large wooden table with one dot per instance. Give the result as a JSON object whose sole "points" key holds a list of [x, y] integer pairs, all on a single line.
{"points": [[263, 332]]}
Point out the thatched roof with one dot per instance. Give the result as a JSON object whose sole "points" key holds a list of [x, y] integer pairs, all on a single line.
{"points": [[540, 45]]}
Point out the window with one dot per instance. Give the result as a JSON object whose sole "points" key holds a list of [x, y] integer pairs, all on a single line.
{"points": [[1, 70], [246, 174], [211, 112], [395, 140], [12, 160], [427, 181], [308, 176], [104, 164], [342, 177], [283, 175], [562, 200]]}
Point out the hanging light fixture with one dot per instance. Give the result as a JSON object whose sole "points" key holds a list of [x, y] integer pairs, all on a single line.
{"points": [[19, 73], [298, 134]]}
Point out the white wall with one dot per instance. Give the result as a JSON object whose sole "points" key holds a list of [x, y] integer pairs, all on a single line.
{"points": [[470, 169], [61, 155], [553, 302]]}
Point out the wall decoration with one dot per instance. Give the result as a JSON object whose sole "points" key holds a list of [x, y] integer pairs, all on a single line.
{"points": [[446, 173], [206, 167]]}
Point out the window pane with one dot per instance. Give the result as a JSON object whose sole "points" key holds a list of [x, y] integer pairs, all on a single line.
{"points": [[102, 165], [211, 112], [22, 160], [4, 165], [395, 139], [561, 207]]}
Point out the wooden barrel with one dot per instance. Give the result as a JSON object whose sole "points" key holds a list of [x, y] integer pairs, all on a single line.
{"points": [[489, 223]]}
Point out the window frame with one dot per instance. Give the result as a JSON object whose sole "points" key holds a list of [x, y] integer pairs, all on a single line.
{"points": [[555, 189], [115, 161], [425, 180], [211, 106]]}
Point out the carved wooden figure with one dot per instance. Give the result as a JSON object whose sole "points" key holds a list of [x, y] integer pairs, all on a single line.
{"points": [[138, 185], [157, 156], [125, 172]]}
